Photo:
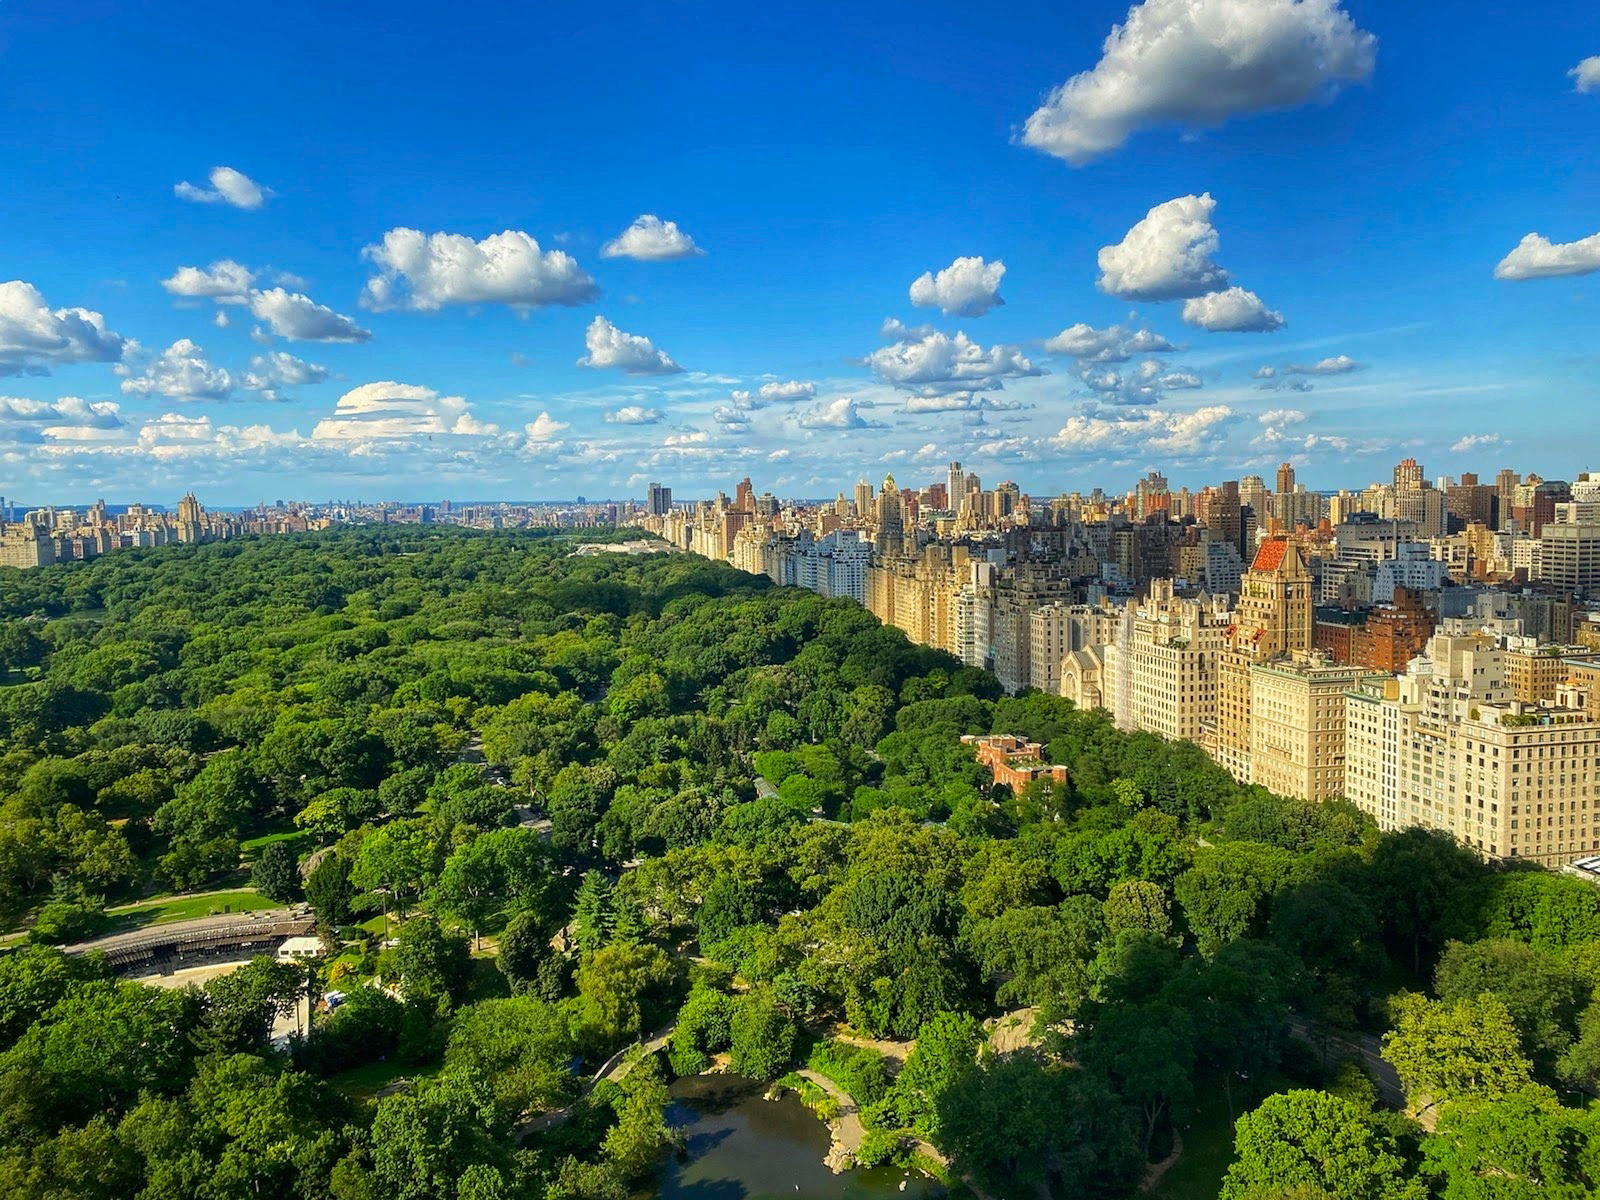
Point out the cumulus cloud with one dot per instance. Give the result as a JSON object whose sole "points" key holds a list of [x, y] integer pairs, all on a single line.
{"points": [[1264, 373], [628, 352], [387, 410], [1113, 344], [1145, 383], [959, 402], [1475, 441], [299, 318], [938, 363], [34, 337], [228, 186], [1586, 75], [968, 287], [842, 413], [634, 414], [1339, 364], [650, 239], [69, 419], [422, 272], [1283, 416], [181, 372], [544, 428], [787, 392], [1537, 257], [1150, 431], [271, 372], [224, 281], [1198, 63], [1167, 255], [894, 329], [1232, 311], [728, 414]]}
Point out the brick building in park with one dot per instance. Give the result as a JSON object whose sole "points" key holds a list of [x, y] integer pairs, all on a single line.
{"points": [[1014, 762]]}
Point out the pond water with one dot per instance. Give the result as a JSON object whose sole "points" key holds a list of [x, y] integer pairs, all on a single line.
{"points": [[738, 1146]]}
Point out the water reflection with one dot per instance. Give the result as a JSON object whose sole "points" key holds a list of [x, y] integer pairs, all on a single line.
{"points": [[738, 1146]]}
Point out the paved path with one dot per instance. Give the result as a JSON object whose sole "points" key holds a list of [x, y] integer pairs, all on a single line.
{"points": [[848, 1131], [1365, 1048]]}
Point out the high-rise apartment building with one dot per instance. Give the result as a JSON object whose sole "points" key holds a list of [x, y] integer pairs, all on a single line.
{"points": [[658, 500], [1160, 672], [1297, 724], [1274, 617], [1446, 746]]}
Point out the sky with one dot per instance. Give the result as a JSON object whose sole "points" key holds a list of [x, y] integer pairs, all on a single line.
{"points": [[536, 251]]}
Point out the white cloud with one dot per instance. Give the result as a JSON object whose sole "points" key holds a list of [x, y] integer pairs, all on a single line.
{"points": [[842, 413], [1264, 373], [726, 414], [968, 287], [69, 419], [220, 320], [279, 369], [787, 392], [297, 317], [1537, 257], [388, 410], [894, 329], [1198, 63], [1475, 441], [1149, 431], [1232, 311], [544, 428], [628, 352], [1145, 383], [181, 373], [1586, 75], [224, 281], [1167, 255], [939, 363], [227, 187], [959, 402], [1283, 416], [1113, 344], [780, 455], [1339, 364], [634, 414], [34, 337], [423, 272], [650, 239]]}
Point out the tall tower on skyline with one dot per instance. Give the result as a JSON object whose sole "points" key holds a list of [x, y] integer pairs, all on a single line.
{"points": [[1274, 618]]}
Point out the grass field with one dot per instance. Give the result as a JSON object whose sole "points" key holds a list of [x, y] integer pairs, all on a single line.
{"points": [[1208, 1141], [300, 840], [365, 1082], [161, 910]]}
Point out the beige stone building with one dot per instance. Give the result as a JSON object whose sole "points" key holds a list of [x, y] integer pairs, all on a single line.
{"points": [[1274, 617], [1297, 724], [1161, 668], [1448, 746]]}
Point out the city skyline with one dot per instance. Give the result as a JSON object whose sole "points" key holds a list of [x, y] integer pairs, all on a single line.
{"points": [[1064, 249]]}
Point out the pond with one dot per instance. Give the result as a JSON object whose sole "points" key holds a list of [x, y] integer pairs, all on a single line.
{"points": [[739, 1146]]}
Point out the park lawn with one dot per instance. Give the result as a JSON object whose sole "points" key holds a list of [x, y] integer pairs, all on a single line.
{"points": [[161, 910], [366, 1081], [1208, 1141], [299, 839]]}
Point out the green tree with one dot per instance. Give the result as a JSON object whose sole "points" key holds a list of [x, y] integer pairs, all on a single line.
{"points": [[1447, 1052], [276, 874], [531, 965], [761, 1035], [427, 963], [1225, 894], [1523, 1144], [242, 1005], [329, 890], [426, 1140], [623, 990], [522, 1047], [1318, 1142]]}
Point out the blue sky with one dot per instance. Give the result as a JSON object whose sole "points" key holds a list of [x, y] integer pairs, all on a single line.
{"points": [[414, 224]]}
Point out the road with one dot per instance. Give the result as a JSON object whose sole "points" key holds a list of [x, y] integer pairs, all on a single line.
{"points": [[1365, 1048]]}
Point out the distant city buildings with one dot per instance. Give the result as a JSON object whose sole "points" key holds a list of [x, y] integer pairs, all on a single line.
{"points": [[1425, 649]]}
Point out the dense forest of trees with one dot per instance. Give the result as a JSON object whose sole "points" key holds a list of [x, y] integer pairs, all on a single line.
{"points": [[540, 773]]}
